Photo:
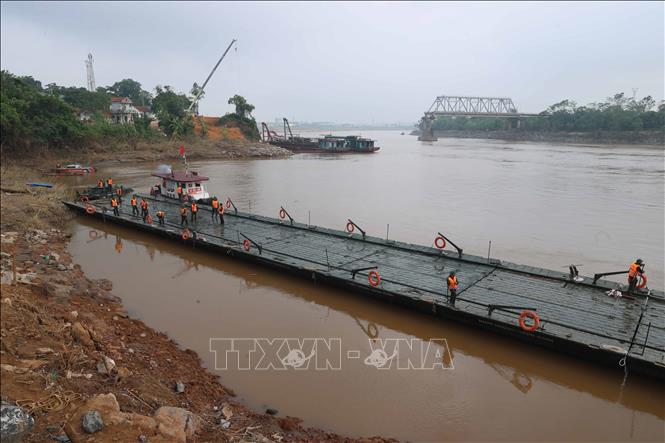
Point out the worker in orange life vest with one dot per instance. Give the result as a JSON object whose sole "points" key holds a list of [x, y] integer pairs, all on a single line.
{"points": [[179, 191], [634, 272], [183, 216], [135, 207], [114, 205], [195, 210], [215, 208], [452, 287]]}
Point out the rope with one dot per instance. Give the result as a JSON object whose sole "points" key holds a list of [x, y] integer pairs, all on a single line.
{"points": [[53, 403]]}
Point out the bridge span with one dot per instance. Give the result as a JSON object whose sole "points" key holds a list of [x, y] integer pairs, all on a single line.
{"points": [[463, 106]]}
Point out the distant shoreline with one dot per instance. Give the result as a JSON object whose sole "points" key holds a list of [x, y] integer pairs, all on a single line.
{"points": [[647, 138]]}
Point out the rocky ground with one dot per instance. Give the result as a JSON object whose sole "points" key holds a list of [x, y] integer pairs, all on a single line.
{"points": [[75, 367]]}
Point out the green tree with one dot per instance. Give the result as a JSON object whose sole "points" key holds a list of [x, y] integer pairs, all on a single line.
{"points": [[171, 110], [243, 109], [132, 89], [85, 100]]}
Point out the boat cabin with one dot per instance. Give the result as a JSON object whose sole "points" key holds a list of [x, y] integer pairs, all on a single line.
{"points": [[191, 182], [346, 143]]}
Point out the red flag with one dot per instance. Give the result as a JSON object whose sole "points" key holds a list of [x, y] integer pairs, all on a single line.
{"points": [[182, 150]]}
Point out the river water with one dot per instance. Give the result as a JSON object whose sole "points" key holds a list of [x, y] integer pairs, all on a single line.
{"points": [[539, 204]]}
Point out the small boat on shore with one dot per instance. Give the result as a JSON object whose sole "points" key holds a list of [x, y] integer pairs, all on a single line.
{"points": [[74, 169]]}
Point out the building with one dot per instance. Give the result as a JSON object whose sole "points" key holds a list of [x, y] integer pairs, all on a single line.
{"points": [[145, 111], [122, 110]]}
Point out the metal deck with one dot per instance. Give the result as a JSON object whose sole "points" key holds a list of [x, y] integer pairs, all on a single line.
{"points": [[577, 318]]}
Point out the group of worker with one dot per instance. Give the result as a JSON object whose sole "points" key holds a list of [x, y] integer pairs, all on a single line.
{"points": [[217, 209], [108, 184], [217, 212]]}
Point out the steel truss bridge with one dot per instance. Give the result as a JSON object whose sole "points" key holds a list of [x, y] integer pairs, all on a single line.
{"points": [[461, 106]]}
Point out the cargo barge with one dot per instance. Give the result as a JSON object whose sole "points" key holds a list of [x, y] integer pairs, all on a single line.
{"points": [[576, 315], [325, 144]]}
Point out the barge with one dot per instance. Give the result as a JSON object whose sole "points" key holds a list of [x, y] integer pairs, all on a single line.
{"points": [[326, 144], [576, 314]]}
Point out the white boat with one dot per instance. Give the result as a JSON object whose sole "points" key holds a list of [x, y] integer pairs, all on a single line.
{"points": [[191, 182]]}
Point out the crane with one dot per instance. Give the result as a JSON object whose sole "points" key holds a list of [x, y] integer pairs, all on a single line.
{"points": [[199, 93]]}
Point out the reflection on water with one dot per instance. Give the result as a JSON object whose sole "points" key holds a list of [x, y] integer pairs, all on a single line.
{"points": [[496, 386], [539, 204]]}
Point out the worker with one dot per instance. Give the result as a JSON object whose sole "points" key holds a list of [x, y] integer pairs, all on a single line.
{"points": [[160, 217], [634, 272], [183, 216], [452, 287], [135, 207], [215, 208], [195, 210], [100, 184], [114, 205], [109, 184], [220, 212], [119, 193], [144, 208], [179, 191]]}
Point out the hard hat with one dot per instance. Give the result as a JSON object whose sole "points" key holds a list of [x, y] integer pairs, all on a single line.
{"points": [[452, 272], [639, 261]]}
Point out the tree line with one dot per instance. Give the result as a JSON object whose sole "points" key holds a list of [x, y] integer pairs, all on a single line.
{"points": [[49, 115], [617, 113]]}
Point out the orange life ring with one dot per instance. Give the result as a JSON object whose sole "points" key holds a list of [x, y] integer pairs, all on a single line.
{"points": [[374, 278], [185, 234], [85, 199], [643, 281], [532, 315], [149, 219], [228, 203], [282, 213], [90, 209], [246, 245], [349, 227], [438, 244]]}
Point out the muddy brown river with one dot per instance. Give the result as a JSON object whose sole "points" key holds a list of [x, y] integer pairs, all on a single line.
{"points": [[539, 204]]}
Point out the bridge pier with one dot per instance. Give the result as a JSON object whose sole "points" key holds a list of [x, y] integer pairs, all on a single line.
{"points": [[426, 129]]}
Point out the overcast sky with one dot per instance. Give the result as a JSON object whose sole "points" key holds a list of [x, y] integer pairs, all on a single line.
{"points": [[347, 62]]}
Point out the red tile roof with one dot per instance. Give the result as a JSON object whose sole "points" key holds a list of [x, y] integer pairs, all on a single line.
{"points": [[120, 99]]}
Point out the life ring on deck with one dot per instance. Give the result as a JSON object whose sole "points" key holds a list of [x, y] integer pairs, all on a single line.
{"points": [[90, 209], [185, 234], [643, 281], [148, 219], [349, 227], [533, 316], [440, 242], [246, 245], [228, 203], [85, 199], [374, 278], [282, 213]]}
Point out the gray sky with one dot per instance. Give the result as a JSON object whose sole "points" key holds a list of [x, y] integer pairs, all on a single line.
{"points": [[347, 62]]}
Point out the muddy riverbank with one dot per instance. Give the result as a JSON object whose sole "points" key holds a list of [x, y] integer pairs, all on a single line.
{"points": [[69, 348]]}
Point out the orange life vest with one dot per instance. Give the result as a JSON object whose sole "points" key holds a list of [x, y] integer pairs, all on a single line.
{"points": [[634, 269], [144, 204], [452, 282], [221, 210], [110, 182], [183, 211], [100, 184], [114, 202], [160, 214], [215, 204], [179, 189], [118, 191], [195, 208], [133, 201]]}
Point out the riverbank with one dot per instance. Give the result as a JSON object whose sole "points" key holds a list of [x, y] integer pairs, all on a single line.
{"points": [[69, 349], [122, 152], [646, 138]]}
